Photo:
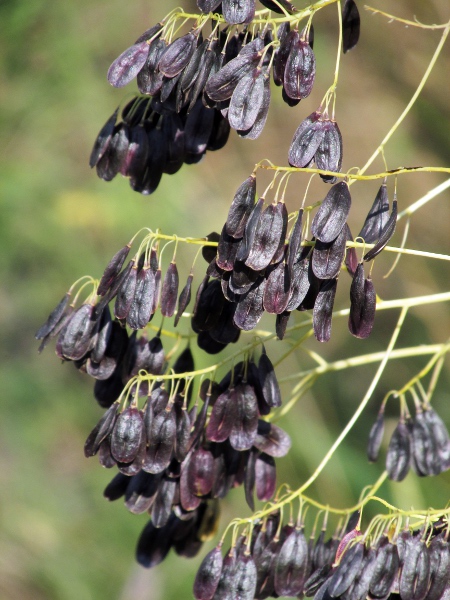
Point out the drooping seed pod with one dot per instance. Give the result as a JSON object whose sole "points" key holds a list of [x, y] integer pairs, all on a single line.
{"points": [[300, 70], [54, 318], [100, 432], [350, 25], [362, 304], [162, 505], [127, 435], [272, 440], [128, 64], [327, 258], [258, 125], [142, 304], [351, 258], [386, 234], [245, 424], [150, 78], [440, 435], [323, 310], [377, 217], [208, 575], [268, 380], [76, 340], [268, 236], [207, 6], [250, 308], [398, 456], [103, 139], [226, 587], [415, 572], [278, 288], [439, 568], [238, 11], [376, 437], [226, 250], [347, 571], [295, 241], [169, 291], [332, 214], [161, 441], [291, 565], [246, 100], [125, 293], [154, 543], [265, 477], [306, 140], [281, 56], [386, 569], [178, 54], [329, 153], [245, 576], [241, 208], [184, 299]]}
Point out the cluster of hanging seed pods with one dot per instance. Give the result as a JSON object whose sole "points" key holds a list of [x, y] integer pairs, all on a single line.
{"points": [[278, 560], [194, 88]]}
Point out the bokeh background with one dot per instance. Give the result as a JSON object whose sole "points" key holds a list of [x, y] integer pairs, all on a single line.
{"points": [[59, 539]]}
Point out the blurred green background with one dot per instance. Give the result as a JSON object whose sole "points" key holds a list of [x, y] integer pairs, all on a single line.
{"points": [[59, 539]]}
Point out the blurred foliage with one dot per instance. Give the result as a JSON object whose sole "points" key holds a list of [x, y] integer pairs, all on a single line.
{"points": [[60, 540]]}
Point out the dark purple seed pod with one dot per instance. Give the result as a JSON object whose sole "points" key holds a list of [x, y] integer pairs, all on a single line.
{"points": [[376, 437], [350, 25], [136, 157], [272, 440], [425, 458], [109, 164], [347, 570], [386, 234], [201, 472], [117, 487], [440, 435], [278, 289], [105, 458], [177, 55], [154, 543], [398, 456], [53, 319], [241, 280], [150, 78], [266, 477], [241, 208], [295, 241], [127, 435], [161, 440], [439, 555], [386, 570], [250, 308], [245, 576], [268, 380], [256, 129], [265, 563], [300, 70], [238, 11], [100, 432], [128, 64], [332, 214], [169, 291], [415, 572], [246, 100], [250, 229], [141, 306], [125, 293], [209, 306], [245, 424], [300, 282], [281, 323], [225, 332], [291, 565], [162, 505], [183, 435], [103, 337], [329, 153], [150, 33], [323, 310], [281, 56], [198, 129], [145, 355], [192, 69], [103, 139], [327, 257], [360, 587], [351, 258], [208, 575], [226, 588], [209, 252], [377, 217], [222, 416], [306, 140], [184, 299], [222, 84], [77, 337], [268, 236]]}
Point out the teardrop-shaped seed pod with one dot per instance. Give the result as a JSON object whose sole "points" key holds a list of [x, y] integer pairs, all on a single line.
{"points": [[222, 416], [245, 424], [327, 257], [350, 25], [53, 319], [281, 323], [177, 55], [332, 214], [272, 440], [268, 381], [145, 355], [77, 337], [386, 234], [225, 332], [161, 441], [220, 132], [209, 307], [386, 569], [192, 69], [110, 163], [209, 252], [103, 139], [347, 571], [306, 140], [246, 100], [440, 435], [329, 153], [256, 129], [238, 11], [351, 258], [127, 435], [141, 306], [117, 487], [226, 587], [102, 338], [269, 233], [183, 435], [398, 456], [439, 568], [162, 505], [300, 70], [425, 458], [198, 128], [363, 305], [169, 291], [141, 492], [281, 56], [377, 217], [201, 472], [241, 207], [265, 585], [150, 78], [376, 437], [266, 477], [250, 229], [125, 293], [222, 84], [226, 250], [154, 543], [128, 64], [415, 572], [323, 310], [278, 288], [295, 240], [291, 565], [184, 299], [245, 577], [300, 282], [250, 308], [208, 575]]}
